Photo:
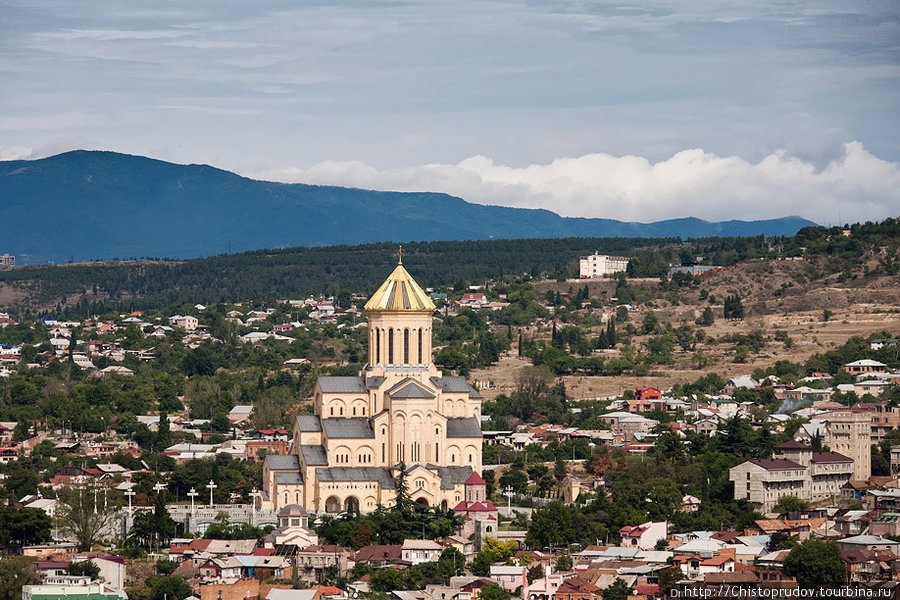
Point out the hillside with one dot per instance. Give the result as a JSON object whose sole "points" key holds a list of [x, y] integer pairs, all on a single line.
{"points": [[86, 205]]}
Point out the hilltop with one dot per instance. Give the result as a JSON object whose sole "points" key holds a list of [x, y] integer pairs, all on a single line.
{"points": [[86, 205]]}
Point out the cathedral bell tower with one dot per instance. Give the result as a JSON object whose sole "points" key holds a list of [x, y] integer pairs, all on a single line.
{"points": [[399, 316]]}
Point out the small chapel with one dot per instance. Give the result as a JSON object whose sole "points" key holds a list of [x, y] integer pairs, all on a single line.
{"points": [[400, 412]]}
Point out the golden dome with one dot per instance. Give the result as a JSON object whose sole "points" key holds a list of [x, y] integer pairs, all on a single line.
{"points": [[400, 292]]}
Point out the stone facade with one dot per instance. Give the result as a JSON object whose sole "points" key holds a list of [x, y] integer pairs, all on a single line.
{"points": [[400, 411]]}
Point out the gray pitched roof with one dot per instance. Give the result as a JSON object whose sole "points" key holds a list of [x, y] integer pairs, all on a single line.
{"points": [[451, 476], [309, 423], [314, 455], [288, 477], [455, 383], [463, 427], [348, 427], [409, 389], [374, 382], [379, 474], [343, 385], [282, 462]]}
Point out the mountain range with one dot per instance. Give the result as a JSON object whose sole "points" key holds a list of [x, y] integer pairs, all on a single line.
{"points": [[86, 205]]}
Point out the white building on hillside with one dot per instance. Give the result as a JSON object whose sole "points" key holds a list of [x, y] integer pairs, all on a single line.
{"points": [[598, 265]]}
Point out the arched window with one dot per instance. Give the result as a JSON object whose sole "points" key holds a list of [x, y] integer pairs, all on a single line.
{"points": [[285, 497], [406, 346], [354, 411], [297, 497], [332, 411], [420, 346], [377, 346], [382, 452], [390, 346], [342, 411]]}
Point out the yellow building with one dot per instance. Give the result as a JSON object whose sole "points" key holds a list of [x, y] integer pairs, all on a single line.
{"points": [[399, 410]]}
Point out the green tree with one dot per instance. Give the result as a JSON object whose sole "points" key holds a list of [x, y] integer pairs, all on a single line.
{"points": [[788, 504], [481, 566], [494, 592], [668, 578], [16, 572], [816, 563], [535, 572], [388, 580], [86, 568], [564, 563], [650, 324], [82, 512], [551, 525], [168, 587], [618, 590]]}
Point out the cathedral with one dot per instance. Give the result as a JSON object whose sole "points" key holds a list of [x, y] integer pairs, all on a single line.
{"points": [[399, 412]]}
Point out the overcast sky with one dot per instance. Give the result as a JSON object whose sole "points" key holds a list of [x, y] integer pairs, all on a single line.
{"points": [[634, 111]]}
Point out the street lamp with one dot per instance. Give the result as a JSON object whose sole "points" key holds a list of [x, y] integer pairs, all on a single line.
{"points": [[211, 485], [192, 494]]}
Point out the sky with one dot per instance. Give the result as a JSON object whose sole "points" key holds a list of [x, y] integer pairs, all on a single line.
{"points": [[636, 111]]}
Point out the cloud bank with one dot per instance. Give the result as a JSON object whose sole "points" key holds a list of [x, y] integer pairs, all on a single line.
{"points": [[853, 186]]}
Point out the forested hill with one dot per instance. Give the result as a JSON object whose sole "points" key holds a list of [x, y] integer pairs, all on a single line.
{"points": [[86, 205]]}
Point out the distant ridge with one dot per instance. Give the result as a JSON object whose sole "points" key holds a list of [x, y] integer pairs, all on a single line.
{"points": [[85, 205]]}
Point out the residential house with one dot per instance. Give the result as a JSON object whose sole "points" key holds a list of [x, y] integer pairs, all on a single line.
{"points": [[763, 482], [313, 561], [420, 551], [741, 381], [510, 577], [644, 536], [865, 366]]}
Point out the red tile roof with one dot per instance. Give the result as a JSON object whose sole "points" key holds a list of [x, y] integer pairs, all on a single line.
{"points": [[474, 479]]}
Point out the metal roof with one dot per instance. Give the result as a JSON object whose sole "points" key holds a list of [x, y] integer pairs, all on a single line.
{"points": [[374, 382], [455, 383], [314, 456], [409, 388], [282, 462], [308, 423], [453, 476], [400, 292], [380, 475], [288, 477], [343, 385], [463, 427], [348, 427]]}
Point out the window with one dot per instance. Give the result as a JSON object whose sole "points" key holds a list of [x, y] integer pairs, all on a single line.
{"points": [[390, 346], [382, 451], [420, 346], [332, 411], [354, 411], [406, 346], [377, 345]]}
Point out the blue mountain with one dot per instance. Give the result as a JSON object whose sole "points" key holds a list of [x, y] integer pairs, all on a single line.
{"points": [[85, 205]]}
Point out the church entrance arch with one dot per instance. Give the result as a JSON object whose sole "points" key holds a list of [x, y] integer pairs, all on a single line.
{"points": [[333, 505], [444, 505], [351, 504], [423, 501]]}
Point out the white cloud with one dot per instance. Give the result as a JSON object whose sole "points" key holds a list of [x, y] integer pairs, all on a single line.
{"points": [[854, 186]]}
